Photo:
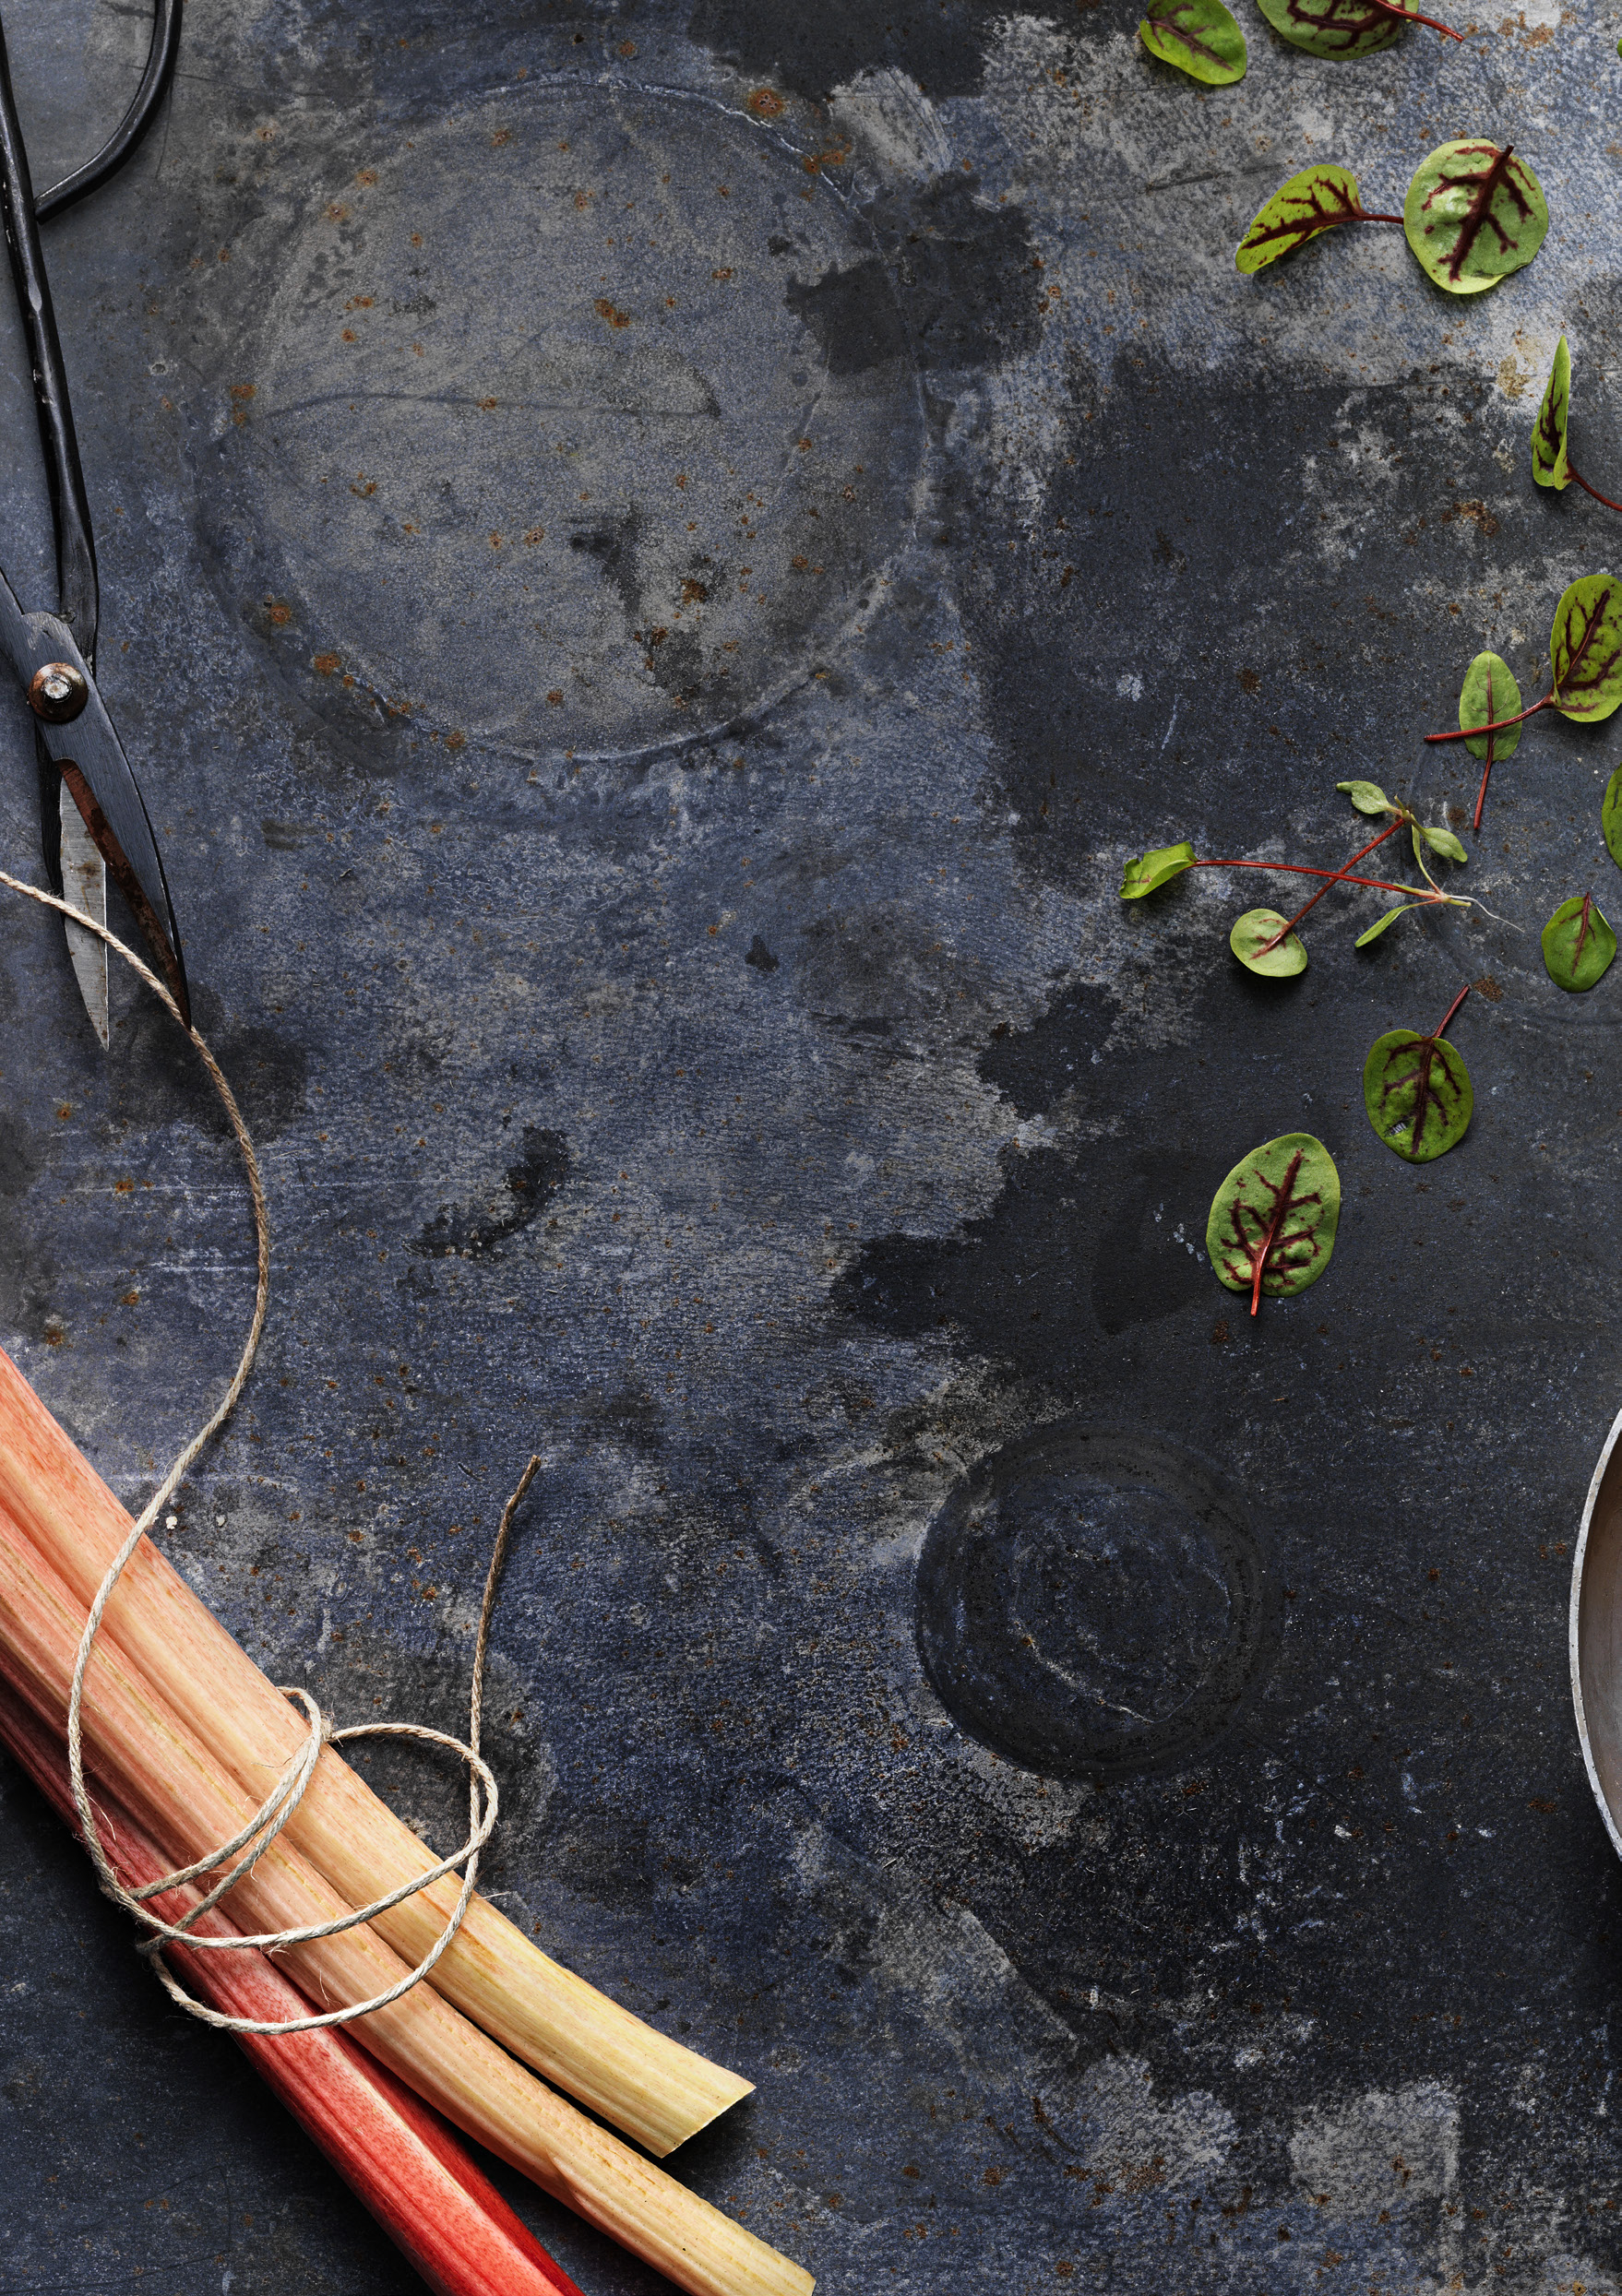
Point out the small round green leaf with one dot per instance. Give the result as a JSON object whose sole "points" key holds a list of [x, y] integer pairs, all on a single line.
{"points": [[1611, 817], [1150, 871], [1380, 923], [1473, 214], [1578, 944], [1367, 796], [1272, 1222], [1585, 648], [1199, 36], [1489, 695], [1341, 29], [1250, 940], [1416, 1090], [1311, 202], [1550, 466], [1443, 841]]}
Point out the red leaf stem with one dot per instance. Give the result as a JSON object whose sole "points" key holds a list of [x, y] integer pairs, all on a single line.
{"points": [[1447, 1016], [1485, 777], [1592, 490], [1499, 725], [1339, 879], [1369, 215], [1411, 16], [397, 2155], [1335, 876]]}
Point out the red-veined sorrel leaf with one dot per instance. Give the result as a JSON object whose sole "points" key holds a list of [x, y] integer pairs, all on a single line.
{"points": [[1611, 817], [1380, 923], [1550, 466], [1272, 1222], [1263, 943], [1147, 872], [1313, 201], [1488, 696], [1367, 796], [1342, 29], [1585, 648], [1199, 36], [1416, 1090], [1473, 214], [1578, 944]]}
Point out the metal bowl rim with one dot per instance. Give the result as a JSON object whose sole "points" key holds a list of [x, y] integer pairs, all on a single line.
{"points": [[1573, 1631]]}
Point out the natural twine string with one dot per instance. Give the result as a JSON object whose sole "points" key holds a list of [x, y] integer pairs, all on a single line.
{"points": [[279, 1806]]}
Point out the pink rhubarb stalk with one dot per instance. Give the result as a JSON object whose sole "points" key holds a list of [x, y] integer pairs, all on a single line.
{"points": [[399, 2158]]}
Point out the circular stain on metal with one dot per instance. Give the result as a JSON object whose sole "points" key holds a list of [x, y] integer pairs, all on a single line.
{"points": [[581, 421], [1094, 1603]]}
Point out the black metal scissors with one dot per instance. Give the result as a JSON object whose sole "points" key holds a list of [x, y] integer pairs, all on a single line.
{"points": [[93, 816]]}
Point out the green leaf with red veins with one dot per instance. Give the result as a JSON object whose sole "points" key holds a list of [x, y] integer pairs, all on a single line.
{"points": [[1314, 201], [1473, 214], [1611, 817], [1272, 1222], [1488, 696], [1249, 941], [1585, 648], [1367, 796], [1199, 36], [1416, 1090], [1550, 466], [1147, 872], [1341, 29], [1578, 944]]}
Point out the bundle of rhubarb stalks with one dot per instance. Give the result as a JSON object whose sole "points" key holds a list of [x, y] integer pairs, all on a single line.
{"points": [[182, 1739]]}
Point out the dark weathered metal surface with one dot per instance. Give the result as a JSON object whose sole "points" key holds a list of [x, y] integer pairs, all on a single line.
{"points": [[737, 1079]]}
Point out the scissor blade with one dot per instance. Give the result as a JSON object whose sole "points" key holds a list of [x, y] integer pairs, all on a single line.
{"points": [[84, 883], [96, 773]]}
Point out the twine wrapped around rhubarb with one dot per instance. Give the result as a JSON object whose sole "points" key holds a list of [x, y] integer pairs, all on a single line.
{"points": [[279, 1806]]}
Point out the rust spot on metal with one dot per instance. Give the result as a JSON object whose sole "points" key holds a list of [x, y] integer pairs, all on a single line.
{"points": [[536, 534], [365, 175], [725, 273], [349, 336], [243, 390], [694, 592], [280, 614], [628, 47], [337, 212], [605, 310], [457, 740], [556, 697], [502, 136], [765, 104], [583, 200], [325, 664], [488, 403]]}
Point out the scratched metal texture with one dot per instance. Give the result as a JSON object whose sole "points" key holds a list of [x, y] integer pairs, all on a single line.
{"points": [[654, 882]]}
